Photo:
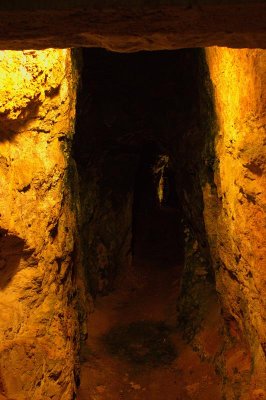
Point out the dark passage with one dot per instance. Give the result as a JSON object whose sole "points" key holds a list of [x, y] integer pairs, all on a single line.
{"points": [[132, 113], [135, 118], [157, 216]]}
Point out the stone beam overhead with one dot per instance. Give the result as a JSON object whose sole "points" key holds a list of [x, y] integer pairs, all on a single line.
{"points": [[132, 25]]}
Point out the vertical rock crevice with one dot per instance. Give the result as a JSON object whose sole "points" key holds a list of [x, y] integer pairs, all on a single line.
{"points": [[198, 308]]}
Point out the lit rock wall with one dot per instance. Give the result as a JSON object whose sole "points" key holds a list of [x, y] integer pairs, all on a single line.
{"points": [[38, 323], [235, 217]]}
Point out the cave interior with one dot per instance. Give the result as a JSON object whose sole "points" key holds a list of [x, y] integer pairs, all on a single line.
{"points": [[132, 223]]}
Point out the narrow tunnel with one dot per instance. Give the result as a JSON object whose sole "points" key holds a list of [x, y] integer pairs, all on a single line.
{"points": [[134, 111], [132, 208], [157, 231]]}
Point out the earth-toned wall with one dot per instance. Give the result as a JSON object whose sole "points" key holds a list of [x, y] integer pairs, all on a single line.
{"points": [[235, 210], [39, 330], [132, 25]]}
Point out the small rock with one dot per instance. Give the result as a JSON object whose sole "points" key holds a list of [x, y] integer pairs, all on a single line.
{"points": [[192, 389], [201, 271], [100, 389], [135, 386], [258, 394], [195, 245]]}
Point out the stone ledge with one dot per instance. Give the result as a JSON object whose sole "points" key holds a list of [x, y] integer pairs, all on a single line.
{"points": [[143, 27]]}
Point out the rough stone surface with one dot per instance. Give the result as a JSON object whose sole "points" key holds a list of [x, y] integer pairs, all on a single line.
{"points": [[38, 324], [234, 212], [198, 309], [106, 220], [212, 131], [138, 25]]}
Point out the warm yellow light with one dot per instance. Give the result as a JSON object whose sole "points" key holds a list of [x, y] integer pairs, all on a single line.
{"points": [[236, 87], [37, 105], [238, 79], [37, 112], [25, 77], [235, 206], [158, 170]]}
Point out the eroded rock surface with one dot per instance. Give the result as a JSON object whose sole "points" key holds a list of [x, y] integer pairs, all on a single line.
{"points": [[38, 324], [235, 212]]}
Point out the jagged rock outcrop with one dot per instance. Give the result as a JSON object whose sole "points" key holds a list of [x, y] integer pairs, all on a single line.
{"points": [[39, 330], [234, 212]]}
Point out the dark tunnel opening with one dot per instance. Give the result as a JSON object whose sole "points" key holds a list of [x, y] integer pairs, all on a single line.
{"points": [[157, 216], [132, 244], [139, 144], [142, 151], [133, 113]]}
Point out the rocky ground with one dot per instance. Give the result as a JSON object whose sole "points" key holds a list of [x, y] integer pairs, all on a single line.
{"points": [[135, 349]]}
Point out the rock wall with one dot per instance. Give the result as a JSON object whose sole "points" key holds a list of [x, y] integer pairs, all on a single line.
{"points": [[209, 120], [39, 330], [106, 219], [198, 309], [222, 151], [132, 25], [234, 212]]}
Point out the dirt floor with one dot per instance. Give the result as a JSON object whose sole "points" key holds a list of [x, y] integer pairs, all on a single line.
{"points": [[134, 350]]}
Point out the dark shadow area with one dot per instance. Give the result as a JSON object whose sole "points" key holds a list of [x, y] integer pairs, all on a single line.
{"points": [[131, 109], [12, 249], [142, 343], [157, 228], [12, 127], [125, 100], [142, 153]]}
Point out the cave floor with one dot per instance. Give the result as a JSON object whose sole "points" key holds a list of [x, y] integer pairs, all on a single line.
{"points": [[134, 350]]}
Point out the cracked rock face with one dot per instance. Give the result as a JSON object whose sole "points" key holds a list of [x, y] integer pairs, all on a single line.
{"points": [[38, 323], [235, 208]]}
